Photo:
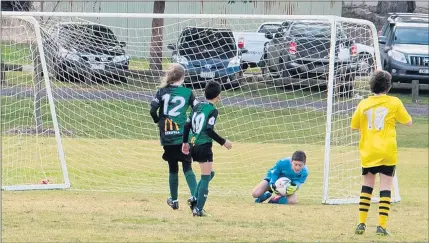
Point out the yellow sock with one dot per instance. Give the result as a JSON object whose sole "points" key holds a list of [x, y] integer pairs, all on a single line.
{"points": [[364, 203], [383, 208]]}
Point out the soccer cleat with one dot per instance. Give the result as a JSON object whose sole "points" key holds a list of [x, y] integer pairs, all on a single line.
{"points": [[360, 229], [200, 213], [263, 198], [192, 202], [173, 204], [381, 231]]}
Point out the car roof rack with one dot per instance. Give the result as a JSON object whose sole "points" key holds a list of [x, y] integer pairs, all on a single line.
{"points": [[394, 14]]}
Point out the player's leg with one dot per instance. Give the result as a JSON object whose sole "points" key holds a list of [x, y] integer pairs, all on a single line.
{"points": [[173, 179], [365, 198], [191, 180], [278, 199], [260, 192], [386, 180], [292, 199], [203, 188]]}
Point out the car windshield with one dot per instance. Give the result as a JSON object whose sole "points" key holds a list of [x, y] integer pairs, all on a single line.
{"points": [[310, 30], [196, 44], [87, 35], [269, 28], [412, 35]]}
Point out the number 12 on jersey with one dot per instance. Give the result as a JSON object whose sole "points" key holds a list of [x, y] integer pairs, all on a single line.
{"points": [[376, 118]]}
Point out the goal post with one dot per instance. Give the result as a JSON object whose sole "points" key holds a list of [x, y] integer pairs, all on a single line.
{"points": [[284, 90], [27, 29]]}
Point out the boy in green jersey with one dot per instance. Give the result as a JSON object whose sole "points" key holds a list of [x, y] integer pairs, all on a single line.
{"points": [[201, 124]]}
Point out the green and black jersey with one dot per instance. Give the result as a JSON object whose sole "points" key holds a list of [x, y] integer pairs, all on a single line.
{"points": [[168, 109], [201, 122]]}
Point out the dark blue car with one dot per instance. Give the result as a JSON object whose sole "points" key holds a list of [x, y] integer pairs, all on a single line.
{"points": [[208, 54]]}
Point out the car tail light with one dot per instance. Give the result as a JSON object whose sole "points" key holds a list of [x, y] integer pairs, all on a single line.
{"points": [[353, 50], [292, 47], [240, 43]]}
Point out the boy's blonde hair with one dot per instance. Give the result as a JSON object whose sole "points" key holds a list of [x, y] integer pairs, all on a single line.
{"points": [[175, 73]]}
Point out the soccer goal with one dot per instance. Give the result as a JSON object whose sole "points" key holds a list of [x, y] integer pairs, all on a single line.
{"points": [[76, 89]]}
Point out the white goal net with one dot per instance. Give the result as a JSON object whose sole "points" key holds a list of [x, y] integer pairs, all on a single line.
{"points": [[76, 89]]}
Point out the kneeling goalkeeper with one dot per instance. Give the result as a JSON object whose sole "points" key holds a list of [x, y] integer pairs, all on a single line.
{"points": [[294, 168]]}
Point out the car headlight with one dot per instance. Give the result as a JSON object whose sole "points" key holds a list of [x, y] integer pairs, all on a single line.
{"points": [[180, 59], [70, 55], [120, 58], [398, 56], [234, 62]]}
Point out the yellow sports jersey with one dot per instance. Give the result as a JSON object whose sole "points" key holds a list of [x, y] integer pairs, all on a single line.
{"points": [[376, 118]]}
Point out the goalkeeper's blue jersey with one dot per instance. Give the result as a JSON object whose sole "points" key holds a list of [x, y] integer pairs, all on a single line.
{"points": [[283, 168]]}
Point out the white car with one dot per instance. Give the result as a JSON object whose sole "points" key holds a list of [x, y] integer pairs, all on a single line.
{"points": [[254, 42]]}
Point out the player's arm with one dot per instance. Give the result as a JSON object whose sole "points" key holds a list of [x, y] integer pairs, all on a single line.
{"points": [[355, 124], [402, 115], [193, 101], [301, 180], [154, 106], [275, 172], [210, 128], [186, 129]]}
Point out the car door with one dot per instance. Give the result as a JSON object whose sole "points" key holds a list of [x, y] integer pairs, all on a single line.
{"points": [[388, 34]]}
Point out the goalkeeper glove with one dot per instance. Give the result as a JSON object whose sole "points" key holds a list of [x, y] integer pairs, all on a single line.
{"points": [[291, 189], [273, 188]]}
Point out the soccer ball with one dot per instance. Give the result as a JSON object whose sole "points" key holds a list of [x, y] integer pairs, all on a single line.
{"points": [[281, 185]]}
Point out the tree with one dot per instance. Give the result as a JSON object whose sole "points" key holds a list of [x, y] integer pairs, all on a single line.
{"points": [[155, 51], [385, 7]]}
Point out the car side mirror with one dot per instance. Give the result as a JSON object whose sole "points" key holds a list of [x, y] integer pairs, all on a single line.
{"points": [[278, 35], [171, 47], [268, 35], [123, 44], [382, 40], [244, 50]]}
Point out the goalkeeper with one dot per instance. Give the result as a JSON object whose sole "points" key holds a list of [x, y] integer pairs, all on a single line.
{"points": [[294, 168], [168, 110]]}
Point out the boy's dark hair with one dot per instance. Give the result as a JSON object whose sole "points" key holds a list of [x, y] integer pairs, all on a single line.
{"points": [[299, 156], [381, 82], [212, 90]]}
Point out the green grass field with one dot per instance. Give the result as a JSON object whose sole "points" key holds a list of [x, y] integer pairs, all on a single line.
{"points": [[119, 182]]}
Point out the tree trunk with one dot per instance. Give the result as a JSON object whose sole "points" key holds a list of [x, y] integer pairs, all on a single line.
{"points": [[155, 52], [385, 7]]}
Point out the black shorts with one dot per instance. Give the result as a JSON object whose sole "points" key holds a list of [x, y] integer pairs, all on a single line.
{"points": [[174, 153], [202, 153], [382, 169]]}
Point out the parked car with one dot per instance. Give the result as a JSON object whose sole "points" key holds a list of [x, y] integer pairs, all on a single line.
{"points": [[404, 52], [208, 54], [394, 18], [301, 51], [254, 43], [85, 52]]}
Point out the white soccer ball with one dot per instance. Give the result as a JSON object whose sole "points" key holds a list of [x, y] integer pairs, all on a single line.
{"points": [[281, 185]]}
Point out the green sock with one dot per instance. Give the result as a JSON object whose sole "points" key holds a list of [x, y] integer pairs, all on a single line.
{"points": [[197, 189], [212, 174], [191, 180], [173, 179], [203, 191]]}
